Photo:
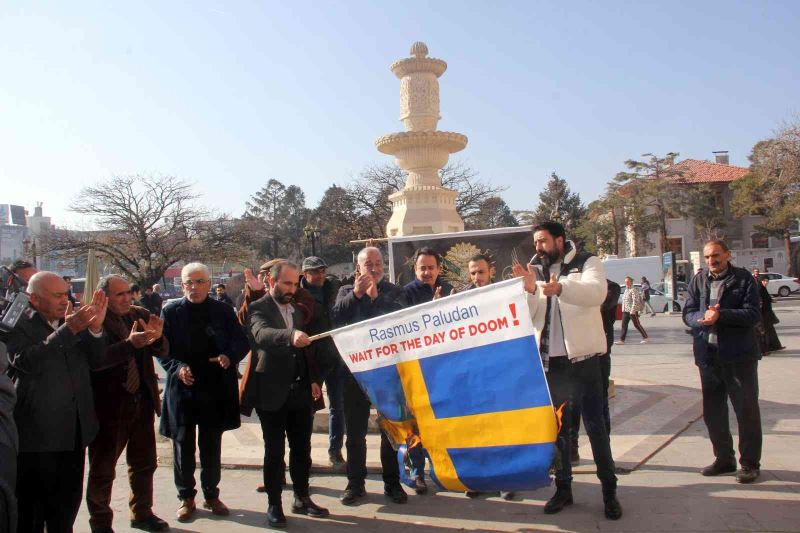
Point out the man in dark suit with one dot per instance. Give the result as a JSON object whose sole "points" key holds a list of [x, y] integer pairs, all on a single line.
{"points": [[201, 398], [51, 354], [126, 396], [280, 387], [369, 296]]}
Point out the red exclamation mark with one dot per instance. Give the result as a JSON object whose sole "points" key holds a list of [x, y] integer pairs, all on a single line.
{"points": [[513, 308]]}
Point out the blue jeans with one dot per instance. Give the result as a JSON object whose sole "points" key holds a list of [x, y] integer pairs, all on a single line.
{"points": [[416, 457], [334, 383]]}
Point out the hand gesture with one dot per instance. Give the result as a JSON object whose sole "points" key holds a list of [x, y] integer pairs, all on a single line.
{"points": [[155, 327], [253, 282], [552, 287], [711, 316], [361, 284], [79, 320], [224, 361], [529, 276], [185, 375], [372, 290], [99, 307], [138, 336], [437, 293], [316, 392], [300, 339]]}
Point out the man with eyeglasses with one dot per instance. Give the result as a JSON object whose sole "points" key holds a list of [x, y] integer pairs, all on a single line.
{"points": [[201, 399], [369, 296]]}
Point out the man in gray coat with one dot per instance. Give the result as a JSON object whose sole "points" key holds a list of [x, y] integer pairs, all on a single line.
{"points": [[51, 353]]}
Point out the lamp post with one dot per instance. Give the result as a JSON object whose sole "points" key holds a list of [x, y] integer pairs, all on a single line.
{"points": [[312, 234]]}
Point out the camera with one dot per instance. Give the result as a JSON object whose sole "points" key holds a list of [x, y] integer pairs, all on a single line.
{"points": [[12, 307]]}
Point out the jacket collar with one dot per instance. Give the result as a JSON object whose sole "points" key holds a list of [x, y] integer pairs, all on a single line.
{"points": [[569, 254]]}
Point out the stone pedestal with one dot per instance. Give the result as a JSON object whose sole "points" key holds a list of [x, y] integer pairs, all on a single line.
{"points": [[423, 205]]}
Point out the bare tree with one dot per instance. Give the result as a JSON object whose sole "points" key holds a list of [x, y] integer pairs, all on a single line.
{"points": [[371, 189], [141, 225]]}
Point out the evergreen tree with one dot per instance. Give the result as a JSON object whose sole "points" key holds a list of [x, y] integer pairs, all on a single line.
{"points": [[557, 202]]}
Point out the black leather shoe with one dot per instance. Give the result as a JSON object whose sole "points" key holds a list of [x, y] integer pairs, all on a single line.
{"points": [[152, 523], [304, 505], [718, 468], [560, 499], [275, 516], [351, 495], [613, 510], [396, 493], [102, 529], [747, 474]]}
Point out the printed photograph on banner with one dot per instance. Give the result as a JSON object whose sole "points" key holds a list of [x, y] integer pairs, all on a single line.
{"points": [[504, 245]]}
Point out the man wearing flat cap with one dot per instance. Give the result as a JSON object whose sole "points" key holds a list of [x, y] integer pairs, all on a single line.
{"points": [[332, 369]]}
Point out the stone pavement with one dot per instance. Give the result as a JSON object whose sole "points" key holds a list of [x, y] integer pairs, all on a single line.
{"points": [[657, 436]]}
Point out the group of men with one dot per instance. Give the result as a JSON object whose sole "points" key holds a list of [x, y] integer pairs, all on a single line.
{"points": [[96, 364]]}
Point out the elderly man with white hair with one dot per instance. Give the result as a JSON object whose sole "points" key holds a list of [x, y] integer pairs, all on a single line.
{"points": [[201, 399], [51, 353]]}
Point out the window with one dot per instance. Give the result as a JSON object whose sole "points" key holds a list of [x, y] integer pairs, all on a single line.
{"points": [[759, 240], [768, 263], [675, 244]]}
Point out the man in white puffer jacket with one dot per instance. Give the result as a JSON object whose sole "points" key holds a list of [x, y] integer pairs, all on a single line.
{"points": [[566, 288]]}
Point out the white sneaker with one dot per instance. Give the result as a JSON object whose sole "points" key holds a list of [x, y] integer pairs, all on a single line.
{"points": [[644, 341], [620, 342]]}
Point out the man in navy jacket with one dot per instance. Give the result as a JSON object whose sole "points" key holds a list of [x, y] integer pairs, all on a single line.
{"points": [[722, 308], [201, 397]]}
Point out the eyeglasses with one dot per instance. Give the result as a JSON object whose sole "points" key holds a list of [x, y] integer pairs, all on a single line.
{"points": [[195, 282]]}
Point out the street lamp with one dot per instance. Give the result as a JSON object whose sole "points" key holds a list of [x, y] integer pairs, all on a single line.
{"points": [[312, 234]]}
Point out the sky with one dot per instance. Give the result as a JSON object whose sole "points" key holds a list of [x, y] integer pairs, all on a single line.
{"points": [[227, 95]]}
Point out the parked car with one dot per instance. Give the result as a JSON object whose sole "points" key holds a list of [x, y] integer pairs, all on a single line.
{"points": [[658, 300], [683, 288], [780, 285]]}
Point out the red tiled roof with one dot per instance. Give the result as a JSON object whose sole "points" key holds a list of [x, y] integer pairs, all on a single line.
{"points": [[696, 171]]}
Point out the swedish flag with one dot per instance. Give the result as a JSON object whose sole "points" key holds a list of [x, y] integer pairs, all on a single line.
{"points": [[478, 398]]}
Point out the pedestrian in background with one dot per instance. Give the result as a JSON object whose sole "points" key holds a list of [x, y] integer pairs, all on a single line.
{"points": [[632, 305], [646, 295]]}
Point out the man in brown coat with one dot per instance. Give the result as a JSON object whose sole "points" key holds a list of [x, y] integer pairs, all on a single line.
{"points": [[126, 397]]}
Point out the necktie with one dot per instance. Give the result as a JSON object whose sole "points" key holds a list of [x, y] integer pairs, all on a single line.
{"points": [[132, 381]]}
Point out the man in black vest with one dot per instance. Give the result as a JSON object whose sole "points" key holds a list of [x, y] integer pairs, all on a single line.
{"points": [[566, 289], [280, 387], [723, 309]]}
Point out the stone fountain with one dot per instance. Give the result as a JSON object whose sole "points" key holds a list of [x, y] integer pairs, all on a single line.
{"points": [[423, 205]]}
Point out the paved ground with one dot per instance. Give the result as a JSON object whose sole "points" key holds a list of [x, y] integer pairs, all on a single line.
{"points": [[657, 435]]}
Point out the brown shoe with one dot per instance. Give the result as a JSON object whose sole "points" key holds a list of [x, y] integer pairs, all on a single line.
{"points": [[216, 507], [186, 510]]}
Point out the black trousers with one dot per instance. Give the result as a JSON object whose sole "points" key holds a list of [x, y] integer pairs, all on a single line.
{"points": [[738, 382], [291, 422], [50, 489], [626, 318], [209, 438], [8, 483], [356, 416], [605, 372], [130, 429], [581, 384]]}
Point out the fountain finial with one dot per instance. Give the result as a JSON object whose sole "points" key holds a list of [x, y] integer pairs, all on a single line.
{"points": [[419, 50]]}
